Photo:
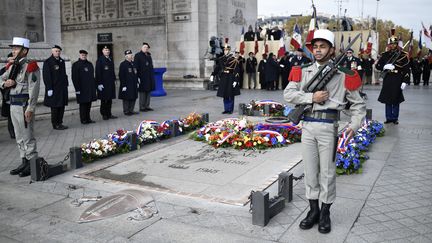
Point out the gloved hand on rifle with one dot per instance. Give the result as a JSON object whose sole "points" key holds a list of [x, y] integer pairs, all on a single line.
{"points": [[320, 96], [100, 87]]}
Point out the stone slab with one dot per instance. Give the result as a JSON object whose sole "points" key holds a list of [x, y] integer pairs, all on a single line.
{"points": [[344, 212], [192, 168]]}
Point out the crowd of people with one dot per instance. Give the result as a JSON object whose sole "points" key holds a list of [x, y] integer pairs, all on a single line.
{"points": [[20, 85]]}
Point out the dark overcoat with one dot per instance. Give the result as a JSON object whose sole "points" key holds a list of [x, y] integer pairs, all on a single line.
{"points": [[128, 78], [84, 81], [228, 70], [105, 75], [55, 79], [144, 63]]}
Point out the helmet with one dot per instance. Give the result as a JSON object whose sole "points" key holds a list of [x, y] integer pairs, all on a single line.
{"points": [[323, 34]]}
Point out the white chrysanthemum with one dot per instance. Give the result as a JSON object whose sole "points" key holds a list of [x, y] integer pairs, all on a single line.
{"points": [[280, 138]]}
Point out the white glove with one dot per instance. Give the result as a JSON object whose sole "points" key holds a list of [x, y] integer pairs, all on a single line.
{"points": [[359, 68], [282, 66], [265, 61], [211, 78], [389, 67], [100, 87], [78, 92], [403, 85], [50, 93], [124, 89], [234, 84]]}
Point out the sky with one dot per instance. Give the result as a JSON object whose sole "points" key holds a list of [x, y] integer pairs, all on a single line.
{"points": [[406, 13]]}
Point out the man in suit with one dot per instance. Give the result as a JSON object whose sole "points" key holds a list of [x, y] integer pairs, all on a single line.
{"points": [[105, 79], [144, 64]]}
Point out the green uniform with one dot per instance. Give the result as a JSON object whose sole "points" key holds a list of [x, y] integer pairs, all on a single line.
{"points": [[319, 130]]}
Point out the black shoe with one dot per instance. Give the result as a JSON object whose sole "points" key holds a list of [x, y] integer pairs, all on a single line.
{"points": [[60, 127], [387, 122], [84, 122], [225, 112], [312, 216], [20, 168], [91, 121], [324, 225], [105, 117], [128, 113], [112, 117], [149, 109], [26, 171], [396, 122], [143, 109], [134, 113], [229, 112]]}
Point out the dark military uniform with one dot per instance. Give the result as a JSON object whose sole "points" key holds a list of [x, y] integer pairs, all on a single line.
{"points": [[272, 74], [228, 70], [251, 64], [105, 76], [85, 87], [144, 64], [391, 93], [261, 70], [367, 64], [55, 80], [416, 69], [426, 71], [128, 90], [296, 61], [285, 70]]}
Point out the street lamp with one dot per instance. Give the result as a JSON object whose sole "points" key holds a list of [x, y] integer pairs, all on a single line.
{"points": [[376, 17]]}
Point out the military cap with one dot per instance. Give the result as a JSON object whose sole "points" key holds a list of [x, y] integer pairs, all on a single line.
{"points": [[19, 41], [83, 52], [300, 49], [105, 47], [350, 50], [127, 52], [147, 44], [57, 47]]}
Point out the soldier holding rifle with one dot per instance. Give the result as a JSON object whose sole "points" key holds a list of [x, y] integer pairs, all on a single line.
{"points": [[23, 79], [321, 122]]}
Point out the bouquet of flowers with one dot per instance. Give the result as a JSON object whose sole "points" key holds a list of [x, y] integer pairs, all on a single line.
{"points": [[192, 121], [147, 132], [98, 148], [349, 158], [122, 139]]}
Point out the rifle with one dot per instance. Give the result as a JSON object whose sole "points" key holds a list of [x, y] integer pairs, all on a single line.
{"points": [[391, 60], [319, 82], [13, 74]]}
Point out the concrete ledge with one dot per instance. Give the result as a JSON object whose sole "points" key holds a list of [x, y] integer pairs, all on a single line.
{"points": [[185, 83]]}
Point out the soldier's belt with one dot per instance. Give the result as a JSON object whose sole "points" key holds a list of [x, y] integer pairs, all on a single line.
{"points": [[328, 116], [19, 99]]}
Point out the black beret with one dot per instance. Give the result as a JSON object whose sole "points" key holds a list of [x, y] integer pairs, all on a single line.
{"points": [[127, 52], [105, 47], [83, 52], [350, 50], [300, 50], [147, 44], [57, 47]]}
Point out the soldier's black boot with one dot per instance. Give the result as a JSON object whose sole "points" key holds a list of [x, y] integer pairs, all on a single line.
{"points": [[312, 216], [21, 167], [324, 225], [26, 171]]}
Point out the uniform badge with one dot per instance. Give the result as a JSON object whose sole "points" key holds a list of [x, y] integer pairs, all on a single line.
{"points": [[106, 67], [130, 70], [86, 69], [147, 63], [56, 67], [135, 71]]}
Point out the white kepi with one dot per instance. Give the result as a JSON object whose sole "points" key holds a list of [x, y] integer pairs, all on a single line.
{"points": [[19, 41]]}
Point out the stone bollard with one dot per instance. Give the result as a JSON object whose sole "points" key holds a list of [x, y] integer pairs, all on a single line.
{"points": [[267, 110], [369, 114], [40, 172], [75, 158], [242, 109], [174, 129], [133, 141], [205, 117]]}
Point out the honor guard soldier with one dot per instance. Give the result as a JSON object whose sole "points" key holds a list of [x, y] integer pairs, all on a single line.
{"points": [[85, 85], [144, 63], [228, 70], [416, 69], [56, 87], [23, 79], [394, 65], [128, 90], [105, 80], [352, 62], [320, 125]]}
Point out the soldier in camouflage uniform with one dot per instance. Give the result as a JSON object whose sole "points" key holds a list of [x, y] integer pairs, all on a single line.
{"points": [[320, 126], [24, 92]]}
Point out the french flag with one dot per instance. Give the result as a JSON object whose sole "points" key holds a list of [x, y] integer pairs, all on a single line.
{"points": [[420, 45], [282, 49], [369, 44], [242, 44], [296, 37], [313, 25]]}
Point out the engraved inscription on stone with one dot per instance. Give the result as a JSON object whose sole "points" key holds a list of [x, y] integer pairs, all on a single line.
{"points": [[90, 14], [181, 6], [21, 18]]}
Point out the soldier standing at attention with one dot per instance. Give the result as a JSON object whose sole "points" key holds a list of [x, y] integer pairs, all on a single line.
{"points": [[395, 80], [85, 85], [320, 126], [56, 87], [128, 90], [229, 74], [105, 79], [24, 92], [144, 64]]}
